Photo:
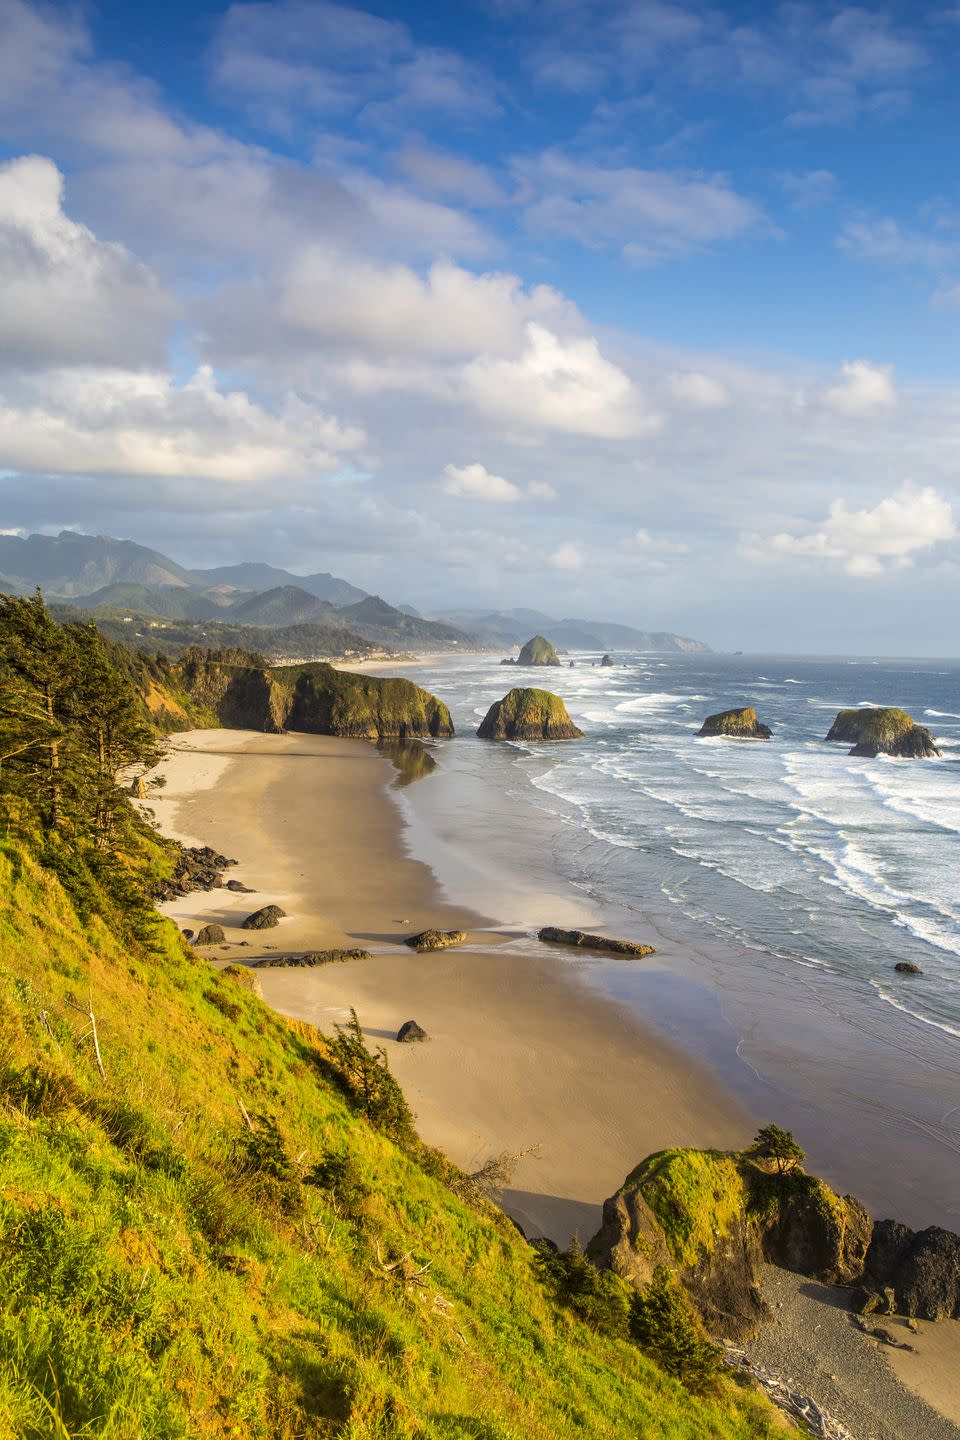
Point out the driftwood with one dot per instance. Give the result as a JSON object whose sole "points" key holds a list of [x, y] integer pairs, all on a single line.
{"points": [[792, 1402]]}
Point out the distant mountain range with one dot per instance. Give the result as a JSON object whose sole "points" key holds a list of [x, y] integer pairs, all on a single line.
{"points": [[118, 581]]}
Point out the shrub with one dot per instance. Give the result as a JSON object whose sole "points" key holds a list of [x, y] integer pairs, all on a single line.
{"points": [[365, 1076], [664, 1324], [597, 1297]]}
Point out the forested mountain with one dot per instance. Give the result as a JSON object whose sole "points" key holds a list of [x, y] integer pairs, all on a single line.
{"points": [[512, 627], [253, 575], [71, 564]]}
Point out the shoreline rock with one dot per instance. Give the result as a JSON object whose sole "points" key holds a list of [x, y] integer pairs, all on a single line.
{"points": [[210, 935], [873, 730], [582, 940], [435, 940], [411, 1033], [197, 867], [310, 958], [265, 918]]}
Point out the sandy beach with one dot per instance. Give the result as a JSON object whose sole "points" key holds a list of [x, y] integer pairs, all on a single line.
{"points": [[523, 1055]]}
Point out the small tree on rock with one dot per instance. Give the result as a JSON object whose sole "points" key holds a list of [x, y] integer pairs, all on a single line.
{"points": [[781, 1146]]}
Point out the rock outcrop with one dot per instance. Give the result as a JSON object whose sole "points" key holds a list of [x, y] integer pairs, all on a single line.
{"points": [[736, 725], [921, 1267], [410, 1032], [138, 788], [435, 939], [210, 935], [607, 661], [538, 651], [883, 731], [528, 715], [583, 940], [310, 958], [313, 698], [195, 868], [813, 1231], [907, 967], [266, 918]]}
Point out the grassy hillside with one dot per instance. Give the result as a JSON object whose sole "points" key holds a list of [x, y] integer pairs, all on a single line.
{"points": [[168, 1271], [171, 637]]}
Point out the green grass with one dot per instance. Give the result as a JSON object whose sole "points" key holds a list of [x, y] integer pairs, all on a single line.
{"points": [[696, 1195], [166, 1272]]}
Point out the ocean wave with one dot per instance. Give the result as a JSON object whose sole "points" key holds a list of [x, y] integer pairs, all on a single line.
{"points": [[942, 1025], [943, 714]]}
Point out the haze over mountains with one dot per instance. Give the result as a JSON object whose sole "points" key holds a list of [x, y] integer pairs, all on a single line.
{"points": [[116, 579]]}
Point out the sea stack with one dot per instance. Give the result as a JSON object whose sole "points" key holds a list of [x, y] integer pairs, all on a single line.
{"points": [[607, 662], [883, 731], [736, 725], [528, 715], [538, 651]]}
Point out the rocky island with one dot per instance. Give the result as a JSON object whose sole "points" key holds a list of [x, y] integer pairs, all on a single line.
{"points": [[528, 715], [538, 651], [736, 725], [883, 731]]}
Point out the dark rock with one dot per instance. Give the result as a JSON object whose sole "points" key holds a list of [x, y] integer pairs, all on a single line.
{"points": [[138, 788], [199, 868], [607, 661], [735, 725], [889, 1243], [187, 934], [265, 918], [410, 1031], [584, 941], [310, 958], [238, 887], [528, 715], [907, 967], [927, 1280], [435, 939], [210, 935], [865, 1300], [873, 730]]}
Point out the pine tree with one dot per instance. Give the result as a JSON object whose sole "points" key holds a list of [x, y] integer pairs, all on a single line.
{"points": [[36, 673]]}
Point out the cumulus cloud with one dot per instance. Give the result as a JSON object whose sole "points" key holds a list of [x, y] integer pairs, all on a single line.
{"points": [[863, 389], [557, 384], [475, 482], [67, 296], [140, 425], [704, 392], [567, 557], [650, 543], [866, 541]]}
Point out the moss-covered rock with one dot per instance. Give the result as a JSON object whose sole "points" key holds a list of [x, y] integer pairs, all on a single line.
{"points": [[873, 730], [807, 1228], [528, 715], [736, 725], [538, 651]]}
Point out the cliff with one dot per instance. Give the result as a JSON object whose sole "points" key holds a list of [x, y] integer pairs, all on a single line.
{"points": [[538, 651], [736, 725], [883, 731], [314, 698], [528, 715]]}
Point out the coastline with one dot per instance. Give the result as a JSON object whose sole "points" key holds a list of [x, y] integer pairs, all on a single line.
{"points": [[524, 1051]]}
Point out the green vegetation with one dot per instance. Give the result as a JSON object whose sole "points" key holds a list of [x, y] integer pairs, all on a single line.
{"points": [[739, 724], [528, 715], [538, 651], [880, 727], [218, 1223], [664, 1322], [171, 637], [696, 1195], [781, 1146]]}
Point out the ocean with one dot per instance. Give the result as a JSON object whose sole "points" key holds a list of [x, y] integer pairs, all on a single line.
{"points": [[780, 881]]}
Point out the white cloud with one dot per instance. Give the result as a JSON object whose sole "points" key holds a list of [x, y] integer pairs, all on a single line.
{"points": [[453, 176], [863, 389], [114, 422], [650, 214], [567, 557], [67, 296], [648, 542], [704, 392], [866, 541], [475, 482], [809, 188], [886, 241], [541, 490], [557, 384]]}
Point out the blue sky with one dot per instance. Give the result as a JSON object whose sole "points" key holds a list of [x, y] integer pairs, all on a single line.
{"points": [[639, 308]]}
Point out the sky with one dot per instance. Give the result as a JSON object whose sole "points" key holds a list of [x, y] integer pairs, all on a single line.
{"points": [[643, 310]]}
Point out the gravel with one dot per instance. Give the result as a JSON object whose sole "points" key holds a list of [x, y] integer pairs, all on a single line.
{"points": [[813, 1344]]}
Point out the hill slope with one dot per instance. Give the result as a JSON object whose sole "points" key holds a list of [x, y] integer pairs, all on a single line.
{"points": [[71, 564], [253, 575]]}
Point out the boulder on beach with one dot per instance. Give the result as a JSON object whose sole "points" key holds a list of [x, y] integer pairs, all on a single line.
{"points": [[528, 715], [873, 730], [187, 934], [435, 939], [210, 935], [583, 940], [922, 1267], [265, 918], [238, 887], [310, 958], [607, 661], [739, 724], [410, 1032], [538, 651], [196, 867]]}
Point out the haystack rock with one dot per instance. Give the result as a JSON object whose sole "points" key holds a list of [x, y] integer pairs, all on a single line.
{"points": [[607, 661], [538, 651], [883, 731], [528, 715], [736, 725]]}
